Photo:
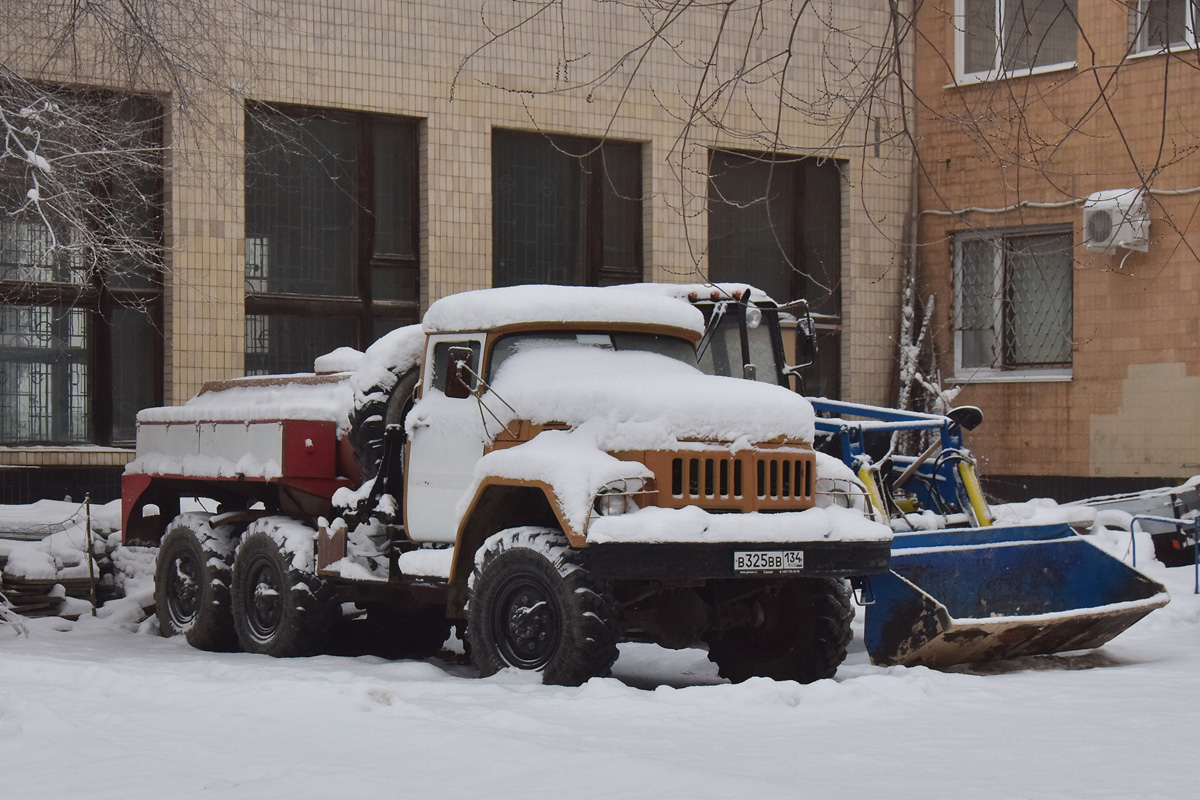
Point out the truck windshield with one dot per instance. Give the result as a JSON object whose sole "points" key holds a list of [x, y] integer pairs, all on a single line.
{"points": [[723, 356], [670, 346]]}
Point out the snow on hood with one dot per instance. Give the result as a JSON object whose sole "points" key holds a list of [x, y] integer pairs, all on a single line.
{"points": [[644, 400], [571, 462], [492, 308]]}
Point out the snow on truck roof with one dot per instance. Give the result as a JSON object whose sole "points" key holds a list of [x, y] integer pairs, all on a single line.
{"points": [[684, 291], [514, 305]]}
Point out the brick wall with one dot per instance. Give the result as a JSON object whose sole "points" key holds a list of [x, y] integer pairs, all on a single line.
{"points": [[1111, 122]]}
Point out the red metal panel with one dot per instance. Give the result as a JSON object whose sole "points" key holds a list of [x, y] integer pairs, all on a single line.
{"points": [[309, 449], [132, 487]]}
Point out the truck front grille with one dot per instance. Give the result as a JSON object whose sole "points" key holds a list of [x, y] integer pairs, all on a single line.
{"points": [[749, 481]]}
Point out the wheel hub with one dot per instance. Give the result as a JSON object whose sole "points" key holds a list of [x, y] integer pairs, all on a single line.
{"points": [[526, 625], [264, 601], [184, 593]]}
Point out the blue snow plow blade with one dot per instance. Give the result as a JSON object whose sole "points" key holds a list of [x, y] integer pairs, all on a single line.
{"points": [[963, 595]]}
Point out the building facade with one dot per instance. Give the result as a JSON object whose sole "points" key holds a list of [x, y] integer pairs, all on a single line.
{"points": [[1058, 193], [362, 158]]}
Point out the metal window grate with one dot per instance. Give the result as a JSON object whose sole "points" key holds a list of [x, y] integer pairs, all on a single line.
{"points": [[1014, 300], [43, 374]]}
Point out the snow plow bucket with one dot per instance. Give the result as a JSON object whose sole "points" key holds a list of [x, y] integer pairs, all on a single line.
{"points": [[981, 594]]}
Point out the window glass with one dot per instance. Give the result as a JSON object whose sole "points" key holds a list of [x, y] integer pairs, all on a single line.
{"points": [[823, 378], [301, 197], [395, 173], [821, 233], [977, 318], [537, 212], [27, 254], [670, 346], [775, 223], [1032, 33], [723, 354], [1038, 33], [979, 35], [287, 344], [565, 210], [752, 221], [621, 184], [1165, 23], [134, 356], [441, 362]]}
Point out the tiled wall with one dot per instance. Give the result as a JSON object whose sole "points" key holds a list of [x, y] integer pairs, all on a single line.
{"points": [[405, 59]]}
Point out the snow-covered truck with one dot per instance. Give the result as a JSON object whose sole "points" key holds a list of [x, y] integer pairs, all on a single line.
{"points": [[544, 467]]}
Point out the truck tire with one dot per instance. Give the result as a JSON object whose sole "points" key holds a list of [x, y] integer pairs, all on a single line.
{"points": [[280, 607], [532, 605], [801, 635], [383, 406], [192, 580]]}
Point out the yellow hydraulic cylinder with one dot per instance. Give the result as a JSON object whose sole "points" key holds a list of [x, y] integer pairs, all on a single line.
{"points": [[979, 506]]}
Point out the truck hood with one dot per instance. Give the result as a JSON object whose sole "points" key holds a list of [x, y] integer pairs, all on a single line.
{"points": [[637, 400]]}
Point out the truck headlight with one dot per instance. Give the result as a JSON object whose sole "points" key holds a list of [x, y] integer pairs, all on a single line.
{"points": [[611, 504], [614, 499]]}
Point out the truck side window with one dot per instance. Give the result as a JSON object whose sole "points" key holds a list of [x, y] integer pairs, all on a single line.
{"points": [[443, 370]]}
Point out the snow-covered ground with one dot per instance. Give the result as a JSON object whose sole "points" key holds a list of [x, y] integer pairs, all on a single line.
{"points": [[104, 708]]}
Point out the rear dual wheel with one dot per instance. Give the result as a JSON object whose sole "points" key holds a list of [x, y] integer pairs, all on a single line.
{"points": [[192, 581], [280, 608]]}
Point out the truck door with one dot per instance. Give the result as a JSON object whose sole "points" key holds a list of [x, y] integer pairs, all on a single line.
{"points": [[447, 438]]}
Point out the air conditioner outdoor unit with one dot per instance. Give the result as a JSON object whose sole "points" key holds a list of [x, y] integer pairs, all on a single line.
{"points": [[1116, 218]]}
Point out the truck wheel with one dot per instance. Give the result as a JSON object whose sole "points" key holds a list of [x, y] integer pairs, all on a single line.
{"points": [[532, 605], [280, 608], [191, 583], [383, 406], [800, 633]]}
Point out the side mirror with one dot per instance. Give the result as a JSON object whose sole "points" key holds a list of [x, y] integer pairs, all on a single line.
{"points": [[806, 342], [966, 417], [460, 363]]}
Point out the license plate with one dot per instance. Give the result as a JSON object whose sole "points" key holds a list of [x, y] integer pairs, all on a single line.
{"points": [[768, 561]]}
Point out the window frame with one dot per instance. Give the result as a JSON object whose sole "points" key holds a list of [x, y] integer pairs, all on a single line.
{"points": [[100, 296], [997, 71], [361, 307], [1001, 373], [1138, 30]]}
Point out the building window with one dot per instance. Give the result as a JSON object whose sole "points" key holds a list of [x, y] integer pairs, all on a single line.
{"points": [[80, 277], [774, 222], [1165, 24], [331, 233], [1013, 301], [1000, 37], [565, 210]]}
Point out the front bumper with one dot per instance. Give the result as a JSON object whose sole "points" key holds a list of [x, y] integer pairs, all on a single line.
{"points": [[706, 561], [691, 543]]}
